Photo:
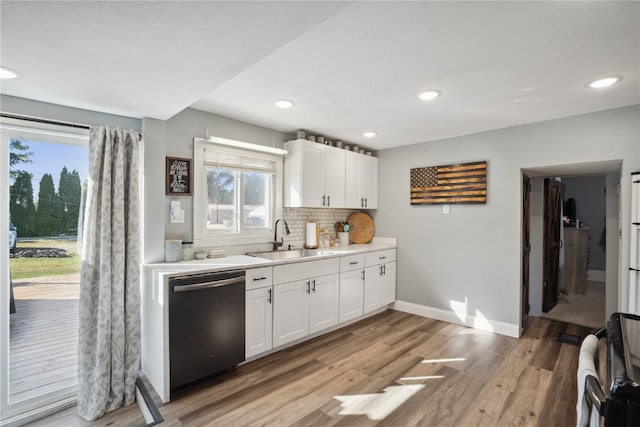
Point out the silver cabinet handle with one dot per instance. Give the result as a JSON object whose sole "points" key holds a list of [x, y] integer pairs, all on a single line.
{"points": [[309, 287], [269, 300], [256, 279], [328, 200], [323, 200], [314, 286], [354, 263]]}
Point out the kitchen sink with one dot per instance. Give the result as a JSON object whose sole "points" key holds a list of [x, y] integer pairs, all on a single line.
{"points": [[285, 254]]}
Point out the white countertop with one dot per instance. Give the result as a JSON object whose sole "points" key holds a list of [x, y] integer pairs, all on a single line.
{"points": [[236, 262]]}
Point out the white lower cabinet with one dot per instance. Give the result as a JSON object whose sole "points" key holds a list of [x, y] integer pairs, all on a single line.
{"points": [[351, 287], [287, 302], [387, 285], [290, 312], [258, 311], [371, 288], [305, 299], [258, 321], [304, 307], [379, 279], [323, 302]]}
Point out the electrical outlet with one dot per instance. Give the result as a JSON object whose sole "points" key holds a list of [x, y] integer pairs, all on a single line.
{"points": [[445, 209]]}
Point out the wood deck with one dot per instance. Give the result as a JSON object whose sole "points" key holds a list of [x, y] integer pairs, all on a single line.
{"points": [[43, 335]]}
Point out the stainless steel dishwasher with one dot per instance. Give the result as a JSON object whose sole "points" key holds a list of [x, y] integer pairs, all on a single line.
{"points": [[206, 325]]}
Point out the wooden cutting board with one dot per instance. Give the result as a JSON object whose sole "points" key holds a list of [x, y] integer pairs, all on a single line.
{"points": [[362, 228]]}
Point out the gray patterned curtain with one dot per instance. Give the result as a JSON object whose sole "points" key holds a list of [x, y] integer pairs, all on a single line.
{"points": [[109, 335]]}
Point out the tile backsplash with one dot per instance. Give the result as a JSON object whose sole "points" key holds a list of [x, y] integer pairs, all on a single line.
{"points": [[297, 218]]}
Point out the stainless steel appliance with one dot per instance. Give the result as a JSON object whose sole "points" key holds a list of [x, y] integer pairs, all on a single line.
{"points": [[206, 325], [619, 404]]}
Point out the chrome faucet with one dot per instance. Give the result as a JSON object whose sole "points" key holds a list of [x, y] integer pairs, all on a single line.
{"points": [[277, 244]]}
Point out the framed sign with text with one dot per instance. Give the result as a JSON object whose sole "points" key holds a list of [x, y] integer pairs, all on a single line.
{"points": [[179, 176]]}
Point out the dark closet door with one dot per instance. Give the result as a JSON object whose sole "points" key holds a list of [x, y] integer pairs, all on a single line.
{"points": [[553, 191]]}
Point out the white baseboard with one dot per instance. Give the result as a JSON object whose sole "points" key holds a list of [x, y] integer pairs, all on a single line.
{"points": [[498, 327], [597, 275]]}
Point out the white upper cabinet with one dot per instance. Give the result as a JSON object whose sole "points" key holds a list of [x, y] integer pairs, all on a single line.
{"points": [[314, 175], [369, 181], [352, 190], [334, 178], [361, 181]]}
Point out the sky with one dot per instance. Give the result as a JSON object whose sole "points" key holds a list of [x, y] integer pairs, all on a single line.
{"points": [[51, 158]]}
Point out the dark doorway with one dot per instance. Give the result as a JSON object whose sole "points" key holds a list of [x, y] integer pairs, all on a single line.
{"points": [[552, 221]]}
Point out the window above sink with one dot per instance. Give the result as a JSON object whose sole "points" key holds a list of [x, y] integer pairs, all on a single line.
{"points": [[237, 194]]}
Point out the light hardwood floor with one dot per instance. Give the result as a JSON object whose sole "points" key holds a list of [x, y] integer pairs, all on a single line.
{"points": [[393, 369]]}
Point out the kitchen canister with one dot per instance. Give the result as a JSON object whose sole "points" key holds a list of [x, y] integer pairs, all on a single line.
{"points": [[187, 251], [172, 250], [343, 238]]}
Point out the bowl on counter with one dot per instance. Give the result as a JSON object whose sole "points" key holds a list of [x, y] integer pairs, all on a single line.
{"points": [[199, 255]]}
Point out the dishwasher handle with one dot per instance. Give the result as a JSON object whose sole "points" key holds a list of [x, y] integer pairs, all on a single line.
{"points": [[208, 285]]}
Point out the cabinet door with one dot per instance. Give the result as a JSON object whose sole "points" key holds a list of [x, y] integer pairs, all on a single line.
{"points": [[334, 176], [369, 181], [351, 294], [323, 302], [312, 174], [388, 283], [352, 180], [372, 288], [258, 314], [290, 312]]}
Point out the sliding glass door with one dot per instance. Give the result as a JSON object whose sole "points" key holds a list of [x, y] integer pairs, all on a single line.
{"points": [[44, 173]]}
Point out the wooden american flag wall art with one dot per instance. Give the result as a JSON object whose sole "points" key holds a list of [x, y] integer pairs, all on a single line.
{"points": [[449, 184]]}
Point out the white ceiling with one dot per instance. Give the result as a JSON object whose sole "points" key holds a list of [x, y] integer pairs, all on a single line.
{"points": [[348, 66]]}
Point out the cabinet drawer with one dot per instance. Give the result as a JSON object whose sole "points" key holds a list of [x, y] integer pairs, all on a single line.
{"points": [[351, 262], [379, 257], [259, 277], [304, 270]]}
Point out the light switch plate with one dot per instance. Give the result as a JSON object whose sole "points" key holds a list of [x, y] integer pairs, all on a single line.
{"points": [[445, 209]]}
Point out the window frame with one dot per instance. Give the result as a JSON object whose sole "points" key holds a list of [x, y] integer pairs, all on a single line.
{"points": [[204, 237]]}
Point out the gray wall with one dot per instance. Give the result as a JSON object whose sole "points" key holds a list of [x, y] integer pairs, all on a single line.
{"points": [[175, 138], [589, 194], [473, 255]]}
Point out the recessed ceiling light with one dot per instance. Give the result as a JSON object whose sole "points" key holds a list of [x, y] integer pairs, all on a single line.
{"points": [[606, 82], [7, 73], [284, 104], [428, 95], [369, 134]]}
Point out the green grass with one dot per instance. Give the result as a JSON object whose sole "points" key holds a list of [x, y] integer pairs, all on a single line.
{"points": [[24, 268]]}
